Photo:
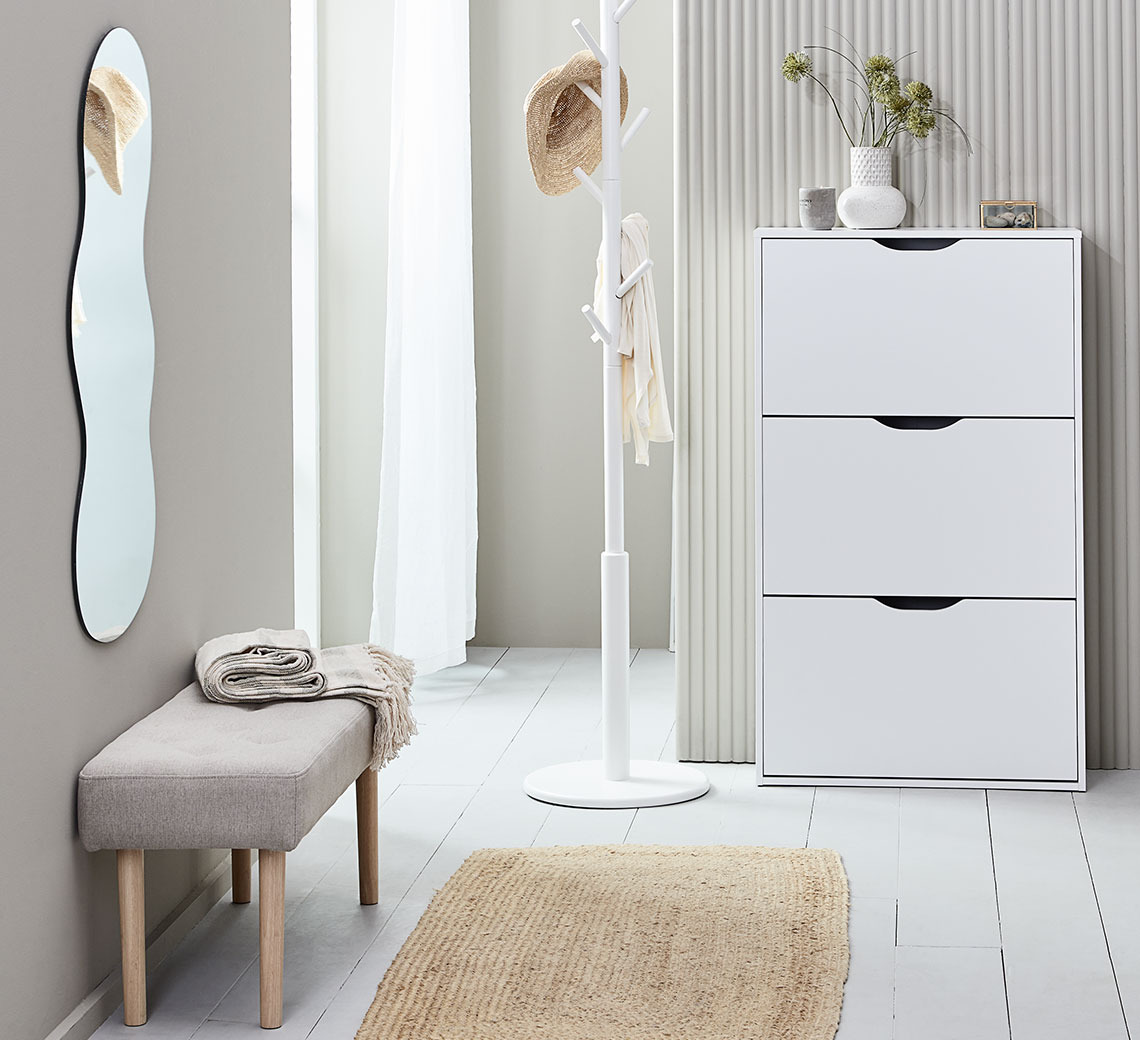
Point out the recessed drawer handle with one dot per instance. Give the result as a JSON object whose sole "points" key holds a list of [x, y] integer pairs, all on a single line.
{"points": [[918, 602], [917, 422], [924, 244]]}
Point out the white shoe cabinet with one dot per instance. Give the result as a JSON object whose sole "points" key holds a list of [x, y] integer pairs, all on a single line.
{"points": [[920, 586]]}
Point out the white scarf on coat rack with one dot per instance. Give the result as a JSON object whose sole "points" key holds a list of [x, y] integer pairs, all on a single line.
{"points": [[645, 407]]}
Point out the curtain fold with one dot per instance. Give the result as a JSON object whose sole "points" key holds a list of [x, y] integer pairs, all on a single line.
{"points": [[424, 578]]}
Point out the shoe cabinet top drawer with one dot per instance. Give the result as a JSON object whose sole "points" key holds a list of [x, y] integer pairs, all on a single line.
{"points": [[964, 327]]}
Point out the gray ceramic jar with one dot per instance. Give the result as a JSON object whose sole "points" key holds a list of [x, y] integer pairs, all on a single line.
{"points": [[817, 208]]}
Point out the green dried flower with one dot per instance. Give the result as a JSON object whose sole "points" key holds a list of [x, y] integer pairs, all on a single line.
{"points": [[919, 122], [796, 65], [884, 88], [882, 79], [919, 93], [897, 104], [883, 107], [879, 65]]}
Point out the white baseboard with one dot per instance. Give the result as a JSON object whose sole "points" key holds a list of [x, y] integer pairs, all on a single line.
{"points": [[94, 1008]]}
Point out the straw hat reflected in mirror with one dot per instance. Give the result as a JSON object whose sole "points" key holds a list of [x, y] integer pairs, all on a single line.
{"points": [[112, 114]]}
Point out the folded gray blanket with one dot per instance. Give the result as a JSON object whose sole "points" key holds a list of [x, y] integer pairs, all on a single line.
{"points": [[272, 665]]}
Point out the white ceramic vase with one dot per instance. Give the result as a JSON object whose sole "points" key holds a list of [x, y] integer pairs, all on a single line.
{"points": [[872, 201]]}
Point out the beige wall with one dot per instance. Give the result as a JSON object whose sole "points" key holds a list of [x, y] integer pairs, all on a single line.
{"points": [[539, 376], [539, 387], [217, 246]]}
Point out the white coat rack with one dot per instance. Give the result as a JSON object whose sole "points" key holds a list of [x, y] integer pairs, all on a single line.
{"points": [[614, 782]]}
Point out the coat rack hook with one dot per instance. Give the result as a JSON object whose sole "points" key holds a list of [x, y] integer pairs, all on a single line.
{"points": [[589, 41], [622, 9], [639, 272], [590, 92], [588, 183], [599, 329], [636, 125]]}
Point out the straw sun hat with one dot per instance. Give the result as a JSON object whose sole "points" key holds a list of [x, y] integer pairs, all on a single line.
{"points": [[112, 115], [563, 126]]}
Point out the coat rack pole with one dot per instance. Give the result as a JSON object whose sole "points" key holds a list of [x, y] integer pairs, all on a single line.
{"points": [[615, 781], [615, 560]]}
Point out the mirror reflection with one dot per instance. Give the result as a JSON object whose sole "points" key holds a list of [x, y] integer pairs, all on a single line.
{"points": [[112, 343]]}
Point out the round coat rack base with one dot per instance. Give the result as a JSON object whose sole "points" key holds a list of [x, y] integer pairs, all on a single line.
{"points": [[583, 785]]}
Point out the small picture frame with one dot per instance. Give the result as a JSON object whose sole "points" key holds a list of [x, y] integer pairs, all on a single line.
{"points": [[1016, 215]]}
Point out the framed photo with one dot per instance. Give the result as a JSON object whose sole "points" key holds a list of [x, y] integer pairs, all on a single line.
{"points": [[1021, 215]]}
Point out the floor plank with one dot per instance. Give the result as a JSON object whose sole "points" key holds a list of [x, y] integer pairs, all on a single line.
{"points": [[698, 822], [560, 725], [475, 737], [565, 826], [435, 700], [868, 998], [1059, 979], [943, 993], [862, 824], [495, 818], [1109, 816], [438, 696], [754, 815], [346, 1011], [215, 1030], [946, 874]]}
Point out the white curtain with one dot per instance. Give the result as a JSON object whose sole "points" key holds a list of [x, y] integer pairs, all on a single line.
{"points": [[424, 581]]}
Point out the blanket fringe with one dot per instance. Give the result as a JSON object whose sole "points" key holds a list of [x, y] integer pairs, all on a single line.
{"points": [[395, 725]]}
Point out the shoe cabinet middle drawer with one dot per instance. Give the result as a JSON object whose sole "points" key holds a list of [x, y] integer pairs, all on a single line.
{"points": [[890, 507]]}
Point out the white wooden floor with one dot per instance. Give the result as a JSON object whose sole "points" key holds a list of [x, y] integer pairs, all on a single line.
{"points": [[974, 915]]}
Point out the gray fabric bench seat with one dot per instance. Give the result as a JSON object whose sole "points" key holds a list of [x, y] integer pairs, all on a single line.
{"points": [[200, 775]]}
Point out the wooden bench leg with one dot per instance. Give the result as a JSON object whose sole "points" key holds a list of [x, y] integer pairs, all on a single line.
{"points": [[132, 935], [367, 839], [271, 894], [240, 860]]}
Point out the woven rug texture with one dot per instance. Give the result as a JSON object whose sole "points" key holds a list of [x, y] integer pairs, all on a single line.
{"points": [[624, 942]]}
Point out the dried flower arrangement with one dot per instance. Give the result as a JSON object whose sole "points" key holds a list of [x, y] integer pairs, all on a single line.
{"points": [[884, 107]]}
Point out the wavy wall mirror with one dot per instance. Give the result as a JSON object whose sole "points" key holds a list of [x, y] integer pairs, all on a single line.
{"points": [[112, 342]]}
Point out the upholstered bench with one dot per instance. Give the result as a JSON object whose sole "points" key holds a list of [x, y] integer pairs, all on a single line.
{"points": [[200, 775]]}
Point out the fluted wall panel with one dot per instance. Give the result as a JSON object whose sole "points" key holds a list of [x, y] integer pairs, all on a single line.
{"points": [[1047, 91]]}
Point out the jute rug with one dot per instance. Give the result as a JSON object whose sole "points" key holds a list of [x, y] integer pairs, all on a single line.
{"points": [[624, 942]]}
